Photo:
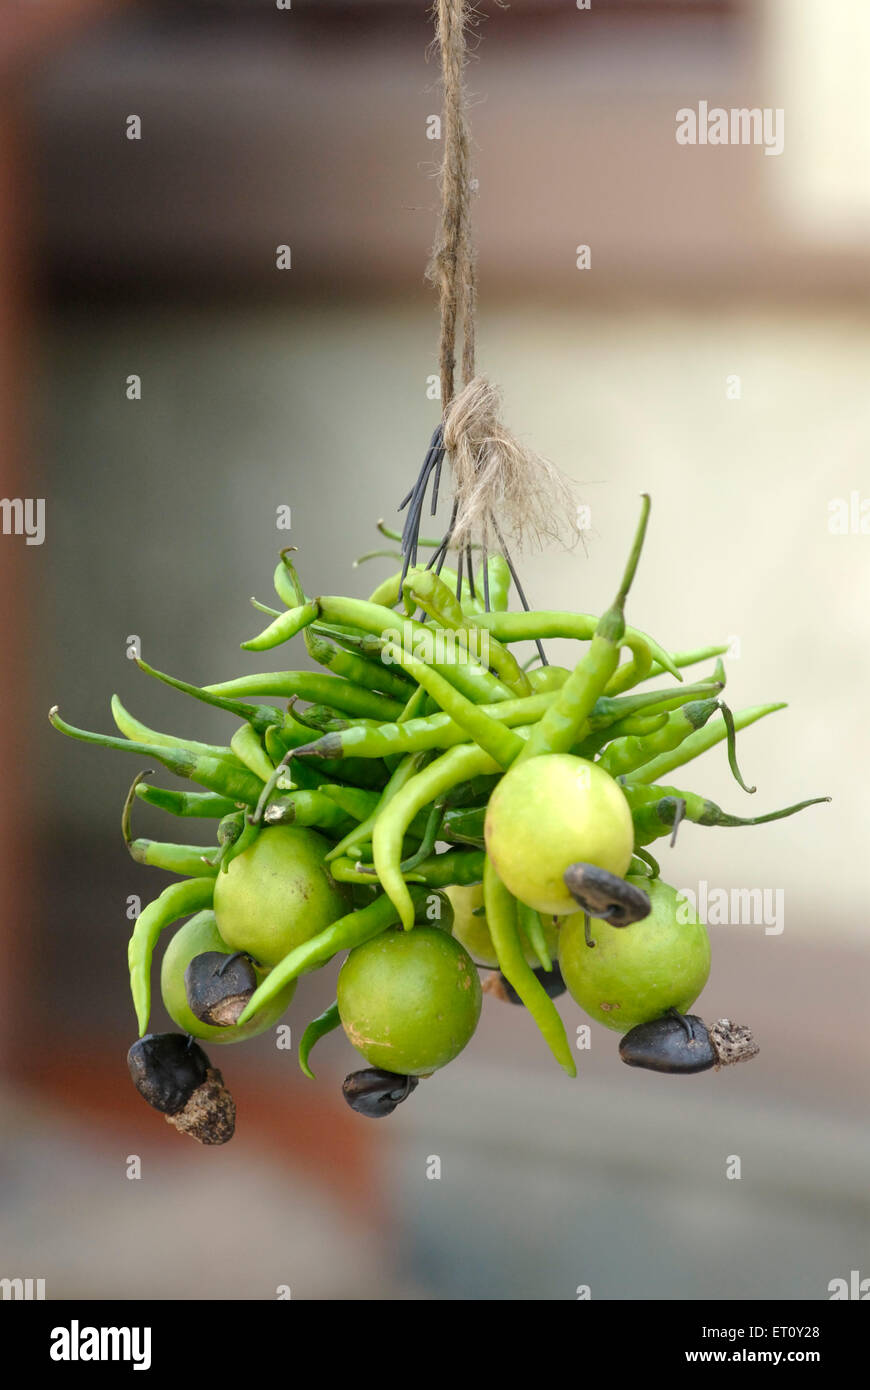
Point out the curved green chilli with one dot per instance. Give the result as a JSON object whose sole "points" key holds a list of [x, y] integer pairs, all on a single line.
{"points": [[501, 917], [456, 765], [247, 747], [631, 672], [431, 834], [609, 709], [327, 1022], [178, 900], [531, 927], [314, 686], [286, 580], [259, 716], [610, 718], [282, 628], [188, 860], [138, 732], [657, 810], [202, 805], [217, 774], [361, 643]]}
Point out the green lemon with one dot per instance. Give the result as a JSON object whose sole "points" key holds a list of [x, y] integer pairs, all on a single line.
{"points": [[548, 813], [198, 935], [635, 974], [409, 1001], [472, 929], [277, 894]]}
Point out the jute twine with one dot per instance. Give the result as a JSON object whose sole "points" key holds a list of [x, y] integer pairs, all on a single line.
{"points": [[452, 265], [495, 476]]}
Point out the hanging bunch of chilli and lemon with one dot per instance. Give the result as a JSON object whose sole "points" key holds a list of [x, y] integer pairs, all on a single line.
{"points": [[432, 807]]}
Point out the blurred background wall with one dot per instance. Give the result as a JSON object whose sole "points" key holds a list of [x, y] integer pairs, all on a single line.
{"points": [[308, 387]]}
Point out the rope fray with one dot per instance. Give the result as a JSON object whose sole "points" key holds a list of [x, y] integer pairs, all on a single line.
{"points": [[495, 476]]}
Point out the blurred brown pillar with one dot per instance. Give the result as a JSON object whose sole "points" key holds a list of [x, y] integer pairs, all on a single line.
{"points": [[27, 33]]}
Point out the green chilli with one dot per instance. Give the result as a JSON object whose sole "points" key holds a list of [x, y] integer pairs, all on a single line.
{"points": [[531, 927], [657, 811], [259, 716], [218, 774], [501, 917], [188, 860], [700, 742], [202, 805], [315, 686], [327, 1022], [138, 732], [282, 628], [179, 900], [456, 765], [247, 747]]}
